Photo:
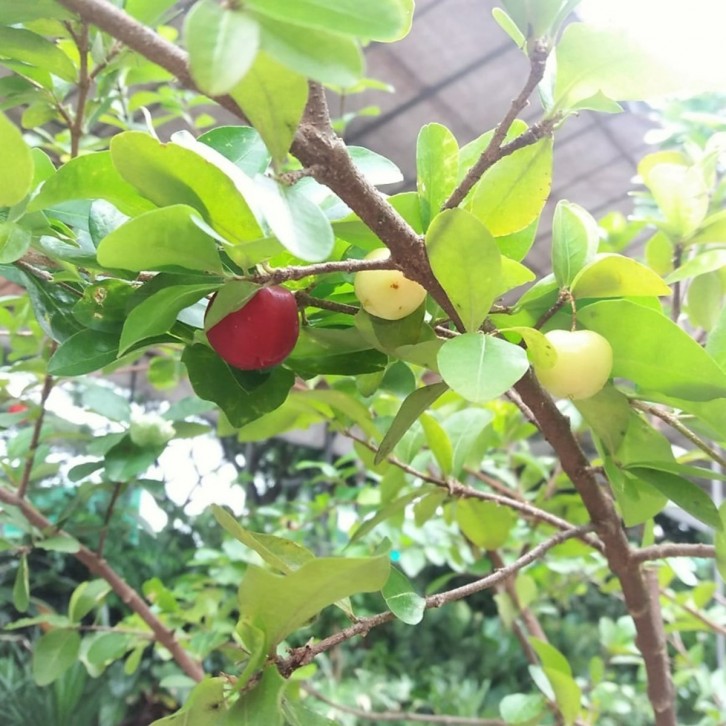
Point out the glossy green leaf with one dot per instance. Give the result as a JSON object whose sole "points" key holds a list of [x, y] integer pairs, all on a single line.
{"points": [[466, 261], [260, 705], [14, 242], [53, 654], [687, 495], [323, 56], [205, 706], [164, 238], [514, 274], [704, 300], [414, 405], [242, 145], [507, 24], [170, 174], [516, 245], [402, 599], [222, 43], [232, 296], [480, 367], [243, 395], [32, 49], [21, 585], [512, 193], [103, 305], [91, 176], [280, 604], [575, 239], [382, 20], [84, 352], [608, 413], [651, 350], [703, 262], [486, 524], [158, 312], [299, 224], [539, 350], [593, 60], [273, 98], [85, 597], [437, 168], [17, 176], [613, 275], [379, 170], [439, 443]]}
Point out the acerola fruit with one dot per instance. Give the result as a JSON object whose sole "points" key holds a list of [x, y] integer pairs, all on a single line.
{"points": [[387, 294], [17, 408], [583, 366], [260, 334]]}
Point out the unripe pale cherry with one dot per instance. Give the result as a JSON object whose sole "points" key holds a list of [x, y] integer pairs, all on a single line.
{"points": [[260, 334], [584, 364], [387, 294]]}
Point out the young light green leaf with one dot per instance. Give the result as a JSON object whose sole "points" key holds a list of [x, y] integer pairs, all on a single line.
{"points": [[522, 708], [480, 367], [17, 176], [14, 242], [466, 261], [21, 586], [720, 543], [402, 599], [222, 43], [611, 275], [574, 241], [703, 262], [59, 543], [280, 604], [273, 98], [512, 193], [704, 300], [539, 350], [651, 350], [299, 224], [321, 55], [381, 20], [53, 654], [437, 168], [439, 443], [85, 597], [164, 238], [379, 170], [32, 49], [242, 145], [170, 174], [414, 405], [486, 524]]}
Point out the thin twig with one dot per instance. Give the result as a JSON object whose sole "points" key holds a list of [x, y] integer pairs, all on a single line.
{"points": [[315, 302], [107, 517], [401, 715], [709, 622], [83, 85], [661, 552], [98, 566], [35, 438], [285, 274]]}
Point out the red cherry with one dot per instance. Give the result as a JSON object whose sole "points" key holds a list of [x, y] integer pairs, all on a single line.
{"points": [[260, 334], [17, 408]]}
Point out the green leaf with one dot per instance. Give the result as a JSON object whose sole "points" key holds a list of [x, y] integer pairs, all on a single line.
{"points": [[85, 597], [280, 604], [439, 443], [14, 242], [103, 305], [321, 55], [687, 495], [21, 586], [704, 300], [720, 543], [164, 238], [243, 395], [539, 350], [281, 554], [91, 176], [391, 509], [466, 261], [512, 193], [204, 706], [480, 367], [260, 705], [466, 429], [559, 674], [654, 352], [148, 12], [379, 170], [21, 11], [242, 145], [608, 413], [412, 407], [402, 599], [17, 177], [170, 174], [125, 460], [299, 224], [575, 239], [53, 654], [522, 708], [702, 263], [222, 43], [273, 98], [59, 543], [158, 312], [32, 49], [437, 168], [382, 20], [84, 352], [486, 524], [107, 647], [607, 61], [612, 275]]}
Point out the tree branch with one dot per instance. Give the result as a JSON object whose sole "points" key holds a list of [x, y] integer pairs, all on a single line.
{"points": [[285, 274], [98, 566], [661, 552], [402, 715], [35, 438]]}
